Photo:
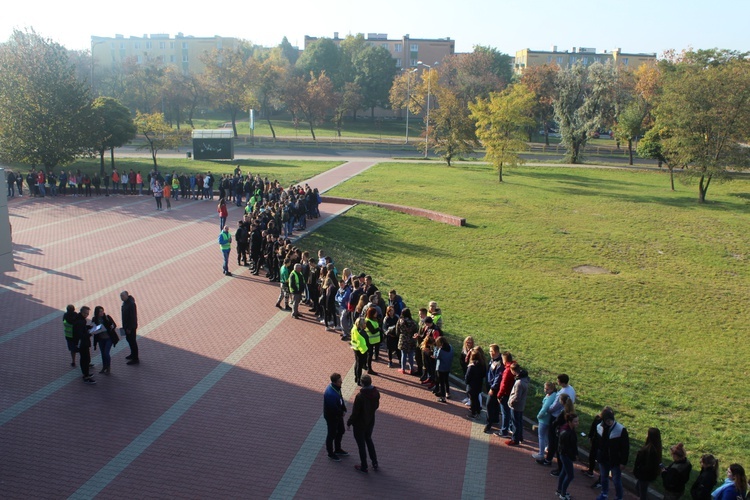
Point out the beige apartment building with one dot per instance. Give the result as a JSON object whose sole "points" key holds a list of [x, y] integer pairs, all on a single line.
{"points": [[406, 51], [527, 58], [183, 51]]}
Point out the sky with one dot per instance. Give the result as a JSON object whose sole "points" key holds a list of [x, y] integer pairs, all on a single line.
{"points": [[636, 26]]}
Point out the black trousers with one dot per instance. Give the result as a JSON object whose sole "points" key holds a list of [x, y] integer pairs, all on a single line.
{"points": [[133, 343], [363, 437], [85, 361], [335, 433], [360, 362]]}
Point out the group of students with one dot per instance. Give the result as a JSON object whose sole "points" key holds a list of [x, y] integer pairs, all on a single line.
{"points": [[41, 183]]}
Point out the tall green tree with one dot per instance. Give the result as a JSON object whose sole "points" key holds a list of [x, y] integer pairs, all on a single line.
{"points": [[346, 101], [288, 52], [630, 124], [321, 56], [501, 121], [705, 105], [44, 109], [374, 69], [584, 103], [311, 100], [452, 133], [113, 127]]}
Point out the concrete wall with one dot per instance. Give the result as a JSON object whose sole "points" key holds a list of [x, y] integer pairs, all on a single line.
{"points": [[6, 246]]}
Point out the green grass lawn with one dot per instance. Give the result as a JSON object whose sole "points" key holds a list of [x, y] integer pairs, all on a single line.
{"points": [[662, 337], [287, 172]]}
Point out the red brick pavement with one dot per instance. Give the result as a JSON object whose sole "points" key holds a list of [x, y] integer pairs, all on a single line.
{"points": [[210, 412]]}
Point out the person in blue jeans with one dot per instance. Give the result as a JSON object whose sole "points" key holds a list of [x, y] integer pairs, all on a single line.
{"points": [[568, 446], [106, 338], [225, 242], [614, 448], [517, 402]]}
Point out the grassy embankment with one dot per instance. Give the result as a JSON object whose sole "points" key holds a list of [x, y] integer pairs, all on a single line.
{"points": [[662, 337]]}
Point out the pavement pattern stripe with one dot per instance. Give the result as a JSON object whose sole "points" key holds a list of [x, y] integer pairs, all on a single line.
{"points": [[100, 293], [109, 472], [46, 391], [295, 474], [79, 217], [34, 279], [475, 473]]}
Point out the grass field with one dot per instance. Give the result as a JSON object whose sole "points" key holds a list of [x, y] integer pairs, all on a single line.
{"points": [[662, 336]]}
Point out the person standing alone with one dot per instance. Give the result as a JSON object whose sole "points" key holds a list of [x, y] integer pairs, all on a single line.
{"points": [[225, 242], [130, 325]]}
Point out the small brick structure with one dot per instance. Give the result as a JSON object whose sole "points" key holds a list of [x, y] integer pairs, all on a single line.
{"points": [[419, 212]]}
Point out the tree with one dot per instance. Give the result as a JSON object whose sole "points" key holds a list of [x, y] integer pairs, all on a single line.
{"points": [[584, 103], [312, 99], [651, 147], [630, 124], [541, 80], [502, 64], [270, 83], [143, 86], [159, 135], [113, 127], [374, 69], [228, 77], [291, 54], [348, 100], [453, 130], [45, 112], [320, 56], [705, 105], [501, 121], [474, 74]]}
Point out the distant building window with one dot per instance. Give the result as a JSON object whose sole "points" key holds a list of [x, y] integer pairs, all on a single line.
{"points": [[573, 60], [184, 45], [385, 46], [413, 62], [148, 45], [162, 45], [137, 45], [399, 47], [171, 45], [122, 45], [140, 59], [398, 63], [549, 59], [185, 58], [414, 47], [171, 59], [625, 61], [585, 60], [559, 60]]}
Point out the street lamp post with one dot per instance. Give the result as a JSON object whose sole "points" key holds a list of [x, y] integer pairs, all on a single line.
{"points": [[427, 132], [408, 101]]}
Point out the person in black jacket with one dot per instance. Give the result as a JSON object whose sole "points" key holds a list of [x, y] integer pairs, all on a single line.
{"points": [[363, 420], [648, 462], [676, 476], [568, 449], [130, 325], [83, 340], [704, 485], [614, 447]]}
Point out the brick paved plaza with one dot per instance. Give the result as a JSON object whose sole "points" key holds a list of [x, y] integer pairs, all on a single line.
{"points": [[227, 399]]}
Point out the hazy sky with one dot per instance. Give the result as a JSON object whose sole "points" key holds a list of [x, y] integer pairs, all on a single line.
{"points": [[508, 25]]}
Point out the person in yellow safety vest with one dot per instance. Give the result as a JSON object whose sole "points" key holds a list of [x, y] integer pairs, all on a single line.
{"points": [[372, 329], [68, 319], [225, 242], [361, 348], [436, 314]]}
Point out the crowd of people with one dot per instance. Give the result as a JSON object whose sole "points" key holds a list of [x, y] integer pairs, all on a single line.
{"points": [[100, 331]]}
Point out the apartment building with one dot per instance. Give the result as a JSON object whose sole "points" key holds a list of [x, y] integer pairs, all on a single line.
{"points": [[406, 51], [183, 51], [527, 58]]}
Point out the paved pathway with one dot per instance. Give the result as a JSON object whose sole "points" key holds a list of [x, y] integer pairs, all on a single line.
{"points": [[226, 402]]}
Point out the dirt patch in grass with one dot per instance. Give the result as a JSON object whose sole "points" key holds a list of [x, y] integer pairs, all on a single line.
{"points": [[587, 269]]}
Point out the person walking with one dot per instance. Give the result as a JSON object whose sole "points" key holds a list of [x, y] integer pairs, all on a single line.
{"points": [[334, 409], [130, 326], [225, 242], [363, 420]]}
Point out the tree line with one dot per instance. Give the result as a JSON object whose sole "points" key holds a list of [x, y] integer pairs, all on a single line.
{"points": [[690, 110]]}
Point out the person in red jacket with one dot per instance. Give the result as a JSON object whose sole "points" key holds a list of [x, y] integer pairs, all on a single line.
{"points": [[506, 386]]}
